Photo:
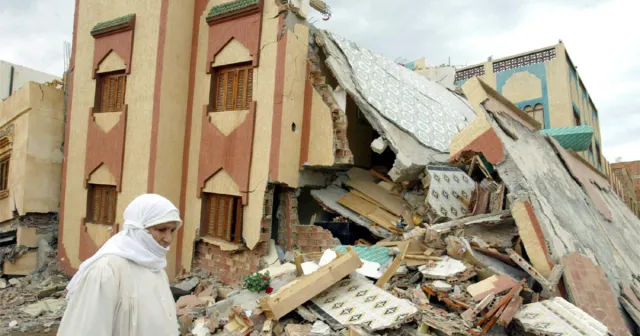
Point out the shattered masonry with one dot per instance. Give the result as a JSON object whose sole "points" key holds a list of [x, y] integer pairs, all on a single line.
{"points": [[365, 197]]}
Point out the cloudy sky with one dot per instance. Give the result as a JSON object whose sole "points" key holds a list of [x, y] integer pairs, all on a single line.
{"points": [[600, 35]]}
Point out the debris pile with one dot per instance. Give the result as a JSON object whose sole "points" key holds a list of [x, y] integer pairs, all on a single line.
{"points": [[447, 259]]}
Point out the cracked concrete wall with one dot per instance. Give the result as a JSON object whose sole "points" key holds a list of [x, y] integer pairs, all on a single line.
{"points": [[263, 94], [33, 120], [568, 218], [295, 77]]}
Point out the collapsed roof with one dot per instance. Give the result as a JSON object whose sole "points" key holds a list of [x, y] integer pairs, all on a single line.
{"points": [[416, 117], [565, 205]]}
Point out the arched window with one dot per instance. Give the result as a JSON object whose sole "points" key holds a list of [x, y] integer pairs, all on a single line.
{"points": [[528, 109], [538, 113]]}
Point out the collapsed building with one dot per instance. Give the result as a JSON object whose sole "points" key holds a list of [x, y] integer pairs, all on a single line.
{"points": [[31, 134], [293, 139]]}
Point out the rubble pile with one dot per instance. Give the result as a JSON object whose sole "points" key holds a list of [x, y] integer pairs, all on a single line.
{"points": [[32, 289], [448, 260], [34, 303]]}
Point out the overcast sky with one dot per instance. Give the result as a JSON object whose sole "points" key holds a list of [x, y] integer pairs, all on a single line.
{"points": [[601, 37]]}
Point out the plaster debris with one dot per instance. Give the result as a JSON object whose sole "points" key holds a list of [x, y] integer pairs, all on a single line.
{"points": [[443, 269]]}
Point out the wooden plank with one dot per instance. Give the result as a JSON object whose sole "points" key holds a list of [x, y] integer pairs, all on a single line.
{"points": [[24, 265], [298, 259], [511, 309], [370, 211], [493, 218], [391, 270], [381, 176], [305, 288], [497, 200], [505, 299], [391, 203], [496, 255], [366, 198]]}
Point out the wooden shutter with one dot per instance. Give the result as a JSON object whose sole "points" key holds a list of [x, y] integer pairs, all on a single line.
{"points": [[249, 89], [232, 89], [102, 204], [219, 95], [112, 92], [220, 217]]}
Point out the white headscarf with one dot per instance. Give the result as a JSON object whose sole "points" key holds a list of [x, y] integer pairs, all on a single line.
{"points": [[134, 242]]}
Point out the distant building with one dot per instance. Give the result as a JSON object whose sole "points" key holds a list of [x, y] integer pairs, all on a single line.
{"points": [[628, 173], [31, 135], [546, 84], [13, 77], [441, 74]]}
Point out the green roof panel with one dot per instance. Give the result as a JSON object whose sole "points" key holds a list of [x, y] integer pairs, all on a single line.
{"points": [[576, 138], [111, 23], [379, 254], [230, 7]]}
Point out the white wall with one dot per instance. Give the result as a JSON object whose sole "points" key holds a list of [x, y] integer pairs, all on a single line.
{"points": [[444, 75], [21, 76]]}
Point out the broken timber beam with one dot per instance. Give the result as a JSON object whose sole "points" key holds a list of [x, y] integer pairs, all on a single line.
{"points": [[529, 269], [493, 218], [305, 288], [505, 300], [496, 255], [554, 279], [391, 270]]}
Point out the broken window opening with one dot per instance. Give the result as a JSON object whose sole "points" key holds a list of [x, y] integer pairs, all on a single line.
{"points": [[221, 217], [110, 91], [360, 135], [231, 88], [576, 117], [309, 211], [275, 215], [101, 204]]}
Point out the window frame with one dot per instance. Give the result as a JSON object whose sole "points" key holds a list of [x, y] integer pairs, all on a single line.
{"points": [[101, 80], [5, 164], [110, 191], [220, 78], [232, 216]]}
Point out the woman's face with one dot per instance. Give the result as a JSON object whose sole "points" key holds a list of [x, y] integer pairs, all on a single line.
{"points": [[163, 233]]}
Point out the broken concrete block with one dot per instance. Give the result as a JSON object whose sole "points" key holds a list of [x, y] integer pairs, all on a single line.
{"points": [[25, 264], [306, 314], [45, 306], [443, 269], [188, 285], [558, 317], [302, 289], [297, 330], [496, 284], [320, 328], [379, 145], [188, 303], [27, 236]]}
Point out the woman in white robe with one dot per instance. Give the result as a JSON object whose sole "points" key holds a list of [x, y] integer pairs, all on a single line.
{"points": [[123, 290]]}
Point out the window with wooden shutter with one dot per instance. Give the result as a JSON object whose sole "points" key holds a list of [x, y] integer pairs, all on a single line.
{"points": [[110, 93], [4, 173], [221, 217], [231, 88], [101, 205]]}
